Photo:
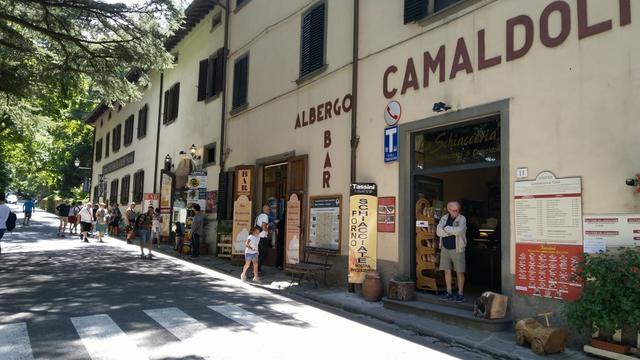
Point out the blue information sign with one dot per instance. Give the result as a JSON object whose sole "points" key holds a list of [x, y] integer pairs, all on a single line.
{"points": [[391, 144]]}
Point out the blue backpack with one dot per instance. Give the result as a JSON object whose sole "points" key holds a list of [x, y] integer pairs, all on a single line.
{"points": [[11, 221]]}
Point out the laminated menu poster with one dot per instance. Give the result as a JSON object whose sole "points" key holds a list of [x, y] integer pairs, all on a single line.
{"points": [[602, 231], [548, 271], [548, 210], [292, 236], [324, 222]]}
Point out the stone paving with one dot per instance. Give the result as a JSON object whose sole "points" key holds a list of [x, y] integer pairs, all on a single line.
{"points": [[492, 344]]}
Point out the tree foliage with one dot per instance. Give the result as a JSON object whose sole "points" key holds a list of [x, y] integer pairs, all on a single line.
{"points": [[58, 60]]}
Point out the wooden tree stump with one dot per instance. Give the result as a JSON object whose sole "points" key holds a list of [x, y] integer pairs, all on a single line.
{"points": [[543, 340]]}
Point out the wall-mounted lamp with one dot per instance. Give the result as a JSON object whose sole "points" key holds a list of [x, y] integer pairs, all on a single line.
{"points": [[192, 150], [634, 182], [440, 107], [167, 162]]}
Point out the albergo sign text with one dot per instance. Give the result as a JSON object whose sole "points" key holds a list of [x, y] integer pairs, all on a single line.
{"points": [[434, 61]]}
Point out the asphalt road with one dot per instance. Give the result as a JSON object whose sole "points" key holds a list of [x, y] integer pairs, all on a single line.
{"points": [[61, 298]]}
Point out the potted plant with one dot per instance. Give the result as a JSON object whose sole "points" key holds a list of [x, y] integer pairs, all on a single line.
{"points": [[611, 297], [402, 288]]}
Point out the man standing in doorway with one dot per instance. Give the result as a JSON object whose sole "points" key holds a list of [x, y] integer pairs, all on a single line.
{"points": [[27, 208], [452, 230], [262, 221]]}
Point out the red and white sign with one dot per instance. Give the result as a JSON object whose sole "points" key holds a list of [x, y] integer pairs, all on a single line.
{"points": [[150, 199], [548, 271], [387, 214], [610, 230], [392, 113], [548, 210]]}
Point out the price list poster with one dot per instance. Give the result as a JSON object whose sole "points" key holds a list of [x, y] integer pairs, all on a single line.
{"points": [[548, 224]]}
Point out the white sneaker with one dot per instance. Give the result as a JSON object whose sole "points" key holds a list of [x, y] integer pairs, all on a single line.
{"points": [[257, 280], [243, 277]]}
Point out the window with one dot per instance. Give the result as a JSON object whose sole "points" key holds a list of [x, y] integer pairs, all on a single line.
{"points": [[128, 131], [95, 194], [210, 155], [117, 138], [171, 101], [415, 10], [113, 196], [142, 121], [313, 40], [138, 186], [124, 190], [106, 145], [210, 75], [99, 150], [240, 81]]}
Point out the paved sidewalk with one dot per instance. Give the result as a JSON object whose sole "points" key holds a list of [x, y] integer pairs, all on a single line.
{"points": [[497, 344]]}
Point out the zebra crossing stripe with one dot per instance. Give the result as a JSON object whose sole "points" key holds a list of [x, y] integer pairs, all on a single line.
{"points": [[177, 322], [239, 315], [104, 340], [14, 342]]}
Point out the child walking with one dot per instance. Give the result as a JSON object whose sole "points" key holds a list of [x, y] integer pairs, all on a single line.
{"points": [[251, 255]]}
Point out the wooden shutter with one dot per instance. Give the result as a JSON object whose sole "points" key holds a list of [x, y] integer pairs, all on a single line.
{"points": [[219, 71], [176, 101], [225, 195], [210, 75], [142, 121], [202, 79], [106, 145], [240, 79], [167, 105], [99, 150], [414, 10], [128, 130], [312, 47], [297, 174], [124, 189]]}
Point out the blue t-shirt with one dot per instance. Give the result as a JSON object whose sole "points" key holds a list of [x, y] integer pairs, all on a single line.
{"points": [[449, 242], [28, 206]]}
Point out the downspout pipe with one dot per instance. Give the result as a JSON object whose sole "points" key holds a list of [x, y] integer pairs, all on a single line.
{"points": [[354, 90], [155, 171], [225, 53]]}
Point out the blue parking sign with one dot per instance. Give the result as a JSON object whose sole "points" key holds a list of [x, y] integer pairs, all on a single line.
{"points": [[391, 144]]}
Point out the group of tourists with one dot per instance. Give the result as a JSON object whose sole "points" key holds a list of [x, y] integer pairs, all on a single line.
{"points": [[256, 246]]}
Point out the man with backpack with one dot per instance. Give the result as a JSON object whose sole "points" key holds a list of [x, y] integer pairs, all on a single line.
{"points": [[7, 218], [63, 214]]}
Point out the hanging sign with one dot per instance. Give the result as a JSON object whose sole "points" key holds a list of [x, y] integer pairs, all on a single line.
{"points": [[391, 144], [387, 214], [548, 271], [549, 210], [149, 199], [292, 235], [241, 223], [212, 202], [363, 209], [243, 181]]}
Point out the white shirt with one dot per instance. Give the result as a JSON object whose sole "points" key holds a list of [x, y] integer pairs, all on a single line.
{"points": [[73, 211], [262, 218], [253, 242], [86, 215], [4, 215]]}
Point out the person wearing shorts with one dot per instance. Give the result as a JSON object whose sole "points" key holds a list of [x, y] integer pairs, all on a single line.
{"points": [[73, 218], [86, 219], [452, 230], [27, 208], [143, 224], [63, 214], [251, 254]]}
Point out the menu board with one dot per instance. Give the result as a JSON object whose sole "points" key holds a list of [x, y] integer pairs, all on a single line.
{"points": [[549, 210], [547, 271], [324, 222], [610, 230], [197, 189], [387, 214]]}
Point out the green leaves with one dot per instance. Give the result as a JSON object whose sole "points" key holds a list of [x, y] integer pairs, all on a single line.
{"points": [[611, 294]]}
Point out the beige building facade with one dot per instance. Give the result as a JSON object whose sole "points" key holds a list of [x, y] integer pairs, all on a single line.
{"points": [[519, 88]]}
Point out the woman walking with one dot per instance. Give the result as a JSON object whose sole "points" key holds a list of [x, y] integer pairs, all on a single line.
{"points": [[86, 218], [102, 219]]}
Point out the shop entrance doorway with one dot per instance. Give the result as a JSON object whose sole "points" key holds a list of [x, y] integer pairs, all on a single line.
{"points": [[274, 194], [458, 163]]}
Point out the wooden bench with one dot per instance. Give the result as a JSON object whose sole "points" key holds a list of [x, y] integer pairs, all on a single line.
{"points": [[314, 262]]}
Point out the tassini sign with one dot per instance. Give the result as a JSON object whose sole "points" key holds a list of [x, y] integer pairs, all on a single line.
{"points": [[435, 61], [363, 231]]}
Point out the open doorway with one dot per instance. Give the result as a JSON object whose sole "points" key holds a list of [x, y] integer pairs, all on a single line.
{"points": [[274, 193], [458, 163]]}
